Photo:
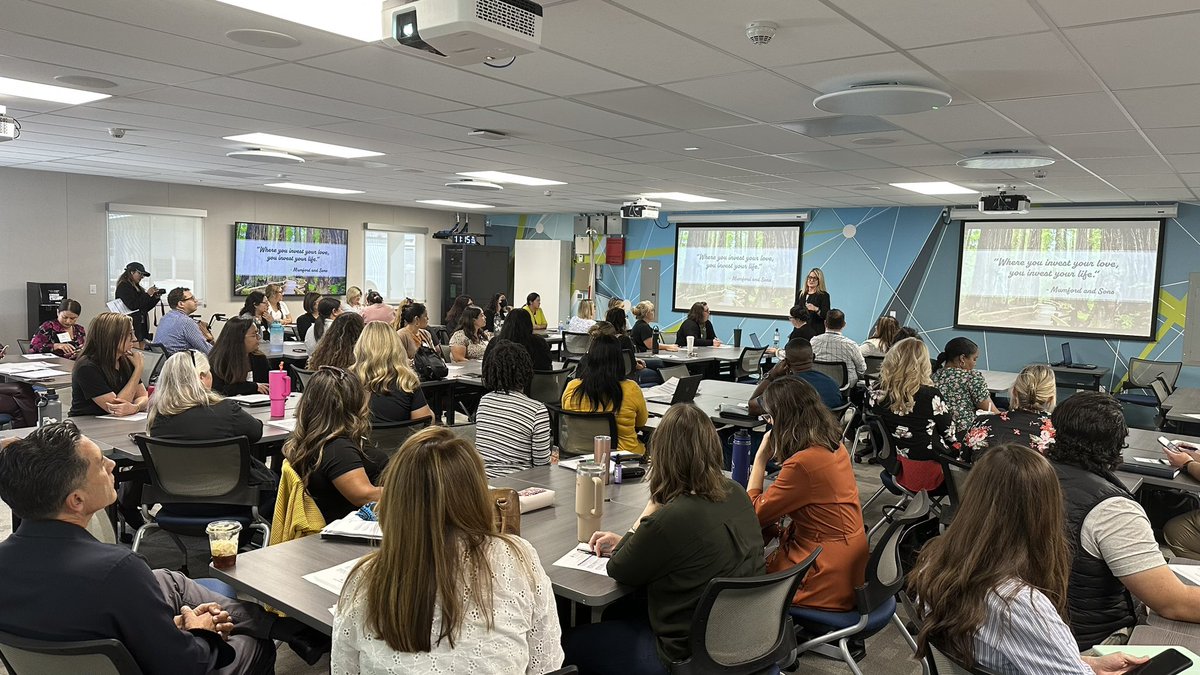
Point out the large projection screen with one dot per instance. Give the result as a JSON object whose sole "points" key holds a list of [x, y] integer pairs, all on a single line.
{"points": [[742, 269], [1079, 277]]}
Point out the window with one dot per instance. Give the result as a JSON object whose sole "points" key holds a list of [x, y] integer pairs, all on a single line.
{"points": [[392, 263], [167, 241]]}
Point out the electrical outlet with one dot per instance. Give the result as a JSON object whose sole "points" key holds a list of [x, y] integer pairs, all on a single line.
{"points": [[92, 289]]}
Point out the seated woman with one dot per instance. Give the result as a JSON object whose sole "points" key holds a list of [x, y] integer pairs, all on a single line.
{"points": [[306, 320], [963, 388], [601, 386], [1026, 422], [354, 297], [107, 379], [454, 314], [585, 317], [698, 326], [328, 309], [258, 310], [238, 366], [533, 305], [645, 370], [470, 340], [336, 347], [512, 431], [376, 309], [883, 336], [496, 311], [414, 330], [642, 333], [327, 448], [380, 364], [474, 600], [917, 420], [277, 309], [993, 588], [816, 490], [697, 525], [63, 337], [518, 329]]}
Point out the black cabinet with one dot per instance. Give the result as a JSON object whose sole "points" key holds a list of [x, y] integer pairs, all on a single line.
{"points": [[43, 300], [477, 271]]}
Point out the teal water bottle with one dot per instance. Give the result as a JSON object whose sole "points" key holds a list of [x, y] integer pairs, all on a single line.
{"points": [[276, 339]]}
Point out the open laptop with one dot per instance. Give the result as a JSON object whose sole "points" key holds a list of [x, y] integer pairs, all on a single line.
{"points": [[685, 391], [1068, 363], [754, 341]]}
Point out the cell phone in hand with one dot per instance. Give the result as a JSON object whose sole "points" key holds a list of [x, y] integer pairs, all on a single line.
{"points": [[1169, 662], [1169, 444]]}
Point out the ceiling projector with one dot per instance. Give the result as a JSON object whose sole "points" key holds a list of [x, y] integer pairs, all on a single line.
{"points": [[1004, 203], [640, 208], [464, 32]]}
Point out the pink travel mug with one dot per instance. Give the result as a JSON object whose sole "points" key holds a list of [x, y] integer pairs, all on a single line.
{"points": [[280, 387]]}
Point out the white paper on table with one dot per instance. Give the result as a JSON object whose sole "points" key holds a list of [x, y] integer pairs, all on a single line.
{"points": [[251, 399], [40, 372], [333, 578], [354, 527], [581, 558], [12, 368], [573, 464], [289, 423], [1195, 416], [1188, 572], [136, 417], [661, 393], [39, 356], [450, 366]]}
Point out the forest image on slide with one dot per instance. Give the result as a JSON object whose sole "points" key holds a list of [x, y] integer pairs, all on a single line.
{"points": [[736, 269], [1095, 279]]}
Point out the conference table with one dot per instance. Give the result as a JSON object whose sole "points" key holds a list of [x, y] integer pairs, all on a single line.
{"points": [[711, 395], [1183, 406], [42, 361], [274, 574], [1072, 377]]}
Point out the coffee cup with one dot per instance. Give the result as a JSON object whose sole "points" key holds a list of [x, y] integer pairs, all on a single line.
{"points": [[589, 499], [691, 345], [602, 451], [223, 542]]}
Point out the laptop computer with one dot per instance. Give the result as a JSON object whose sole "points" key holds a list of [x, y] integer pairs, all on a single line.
{"points": [[1068, 363], [754, 341], [685, 391]]}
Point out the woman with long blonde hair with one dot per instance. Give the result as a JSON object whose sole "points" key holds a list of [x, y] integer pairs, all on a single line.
{"points": [[814, 298], [381, 363], [1027, 420], [444, 592], [918, 422], [107, 378], [883, 335]]}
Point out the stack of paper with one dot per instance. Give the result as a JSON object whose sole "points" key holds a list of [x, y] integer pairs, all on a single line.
{"points": [[353, 527], [333, 578], [251, 399], [34, 357], [663, 392]]}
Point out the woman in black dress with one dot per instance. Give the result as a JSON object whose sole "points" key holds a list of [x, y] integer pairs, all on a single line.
{"points": [[129, 291], [814, 297]]}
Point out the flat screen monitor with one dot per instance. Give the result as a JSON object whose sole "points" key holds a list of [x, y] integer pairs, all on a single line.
{"points": [[297, 258]]}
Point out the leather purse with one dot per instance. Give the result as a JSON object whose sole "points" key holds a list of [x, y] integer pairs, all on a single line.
{"points": [[428, 365], [506, 510]]}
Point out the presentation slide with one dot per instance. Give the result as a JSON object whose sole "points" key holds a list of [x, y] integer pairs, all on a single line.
{"points": [[298, 259], [1083, 277], [737, 269]]}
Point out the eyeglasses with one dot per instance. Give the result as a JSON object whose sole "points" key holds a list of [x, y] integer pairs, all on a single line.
{"points": [[814, 277], [192, 353]]}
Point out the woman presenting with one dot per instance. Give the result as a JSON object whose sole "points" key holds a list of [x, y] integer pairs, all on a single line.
{"points": [[129, 291], [815, 298]]}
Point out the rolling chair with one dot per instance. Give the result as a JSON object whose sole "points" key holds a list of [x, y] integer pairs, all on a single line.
{"points": [[25, 656], [575, 431]]}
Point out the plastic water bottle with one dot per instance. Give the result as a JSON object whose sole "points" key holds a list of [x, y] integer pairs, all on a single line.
{"points": [[49, 408], [776, 340], [740, 464], [276, 339]]}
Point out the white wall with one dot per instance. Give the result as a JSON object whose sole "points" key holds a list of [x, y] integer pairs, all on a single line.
{"points": [[53, 228]]}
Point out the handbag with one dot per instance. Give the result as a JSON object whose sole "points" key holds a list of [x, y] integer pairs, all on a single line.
{"points": [[428, 365], [506, 510]]}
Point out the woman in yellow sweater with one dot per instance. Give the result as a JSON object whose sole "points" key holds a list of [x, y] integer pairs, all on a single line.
{"points": [[602, 387]]}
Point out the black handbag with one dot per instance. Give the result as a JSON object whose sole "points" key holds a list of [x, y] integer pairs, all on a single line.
{"points": [[429, 365]]}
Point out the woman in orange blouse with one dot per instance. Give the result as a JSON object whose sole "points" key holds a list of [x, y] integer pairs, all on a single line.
{"points": [[817, 490]]}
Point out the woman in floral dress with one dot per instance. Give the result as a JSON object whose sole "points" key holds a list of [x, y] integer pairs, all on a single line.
{"points": [[963, 387], [1026, 423]]}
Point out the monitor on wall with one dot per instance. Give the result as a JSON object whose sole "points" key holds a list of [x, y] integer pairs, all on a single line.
{"points": [[296, 258]]}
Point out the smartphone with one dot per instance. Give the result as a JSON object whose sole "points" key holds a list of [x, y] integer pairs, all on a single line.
{"points": [[1169, 444], [1169, 662]]}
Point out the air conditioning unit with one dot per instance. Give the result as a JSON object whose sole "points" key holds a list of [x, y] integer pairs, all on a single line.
{"points": [[463, 32]]}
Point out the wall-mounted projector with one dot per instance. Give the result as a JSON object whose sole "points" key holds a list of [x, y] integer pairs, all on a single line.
{"points": [[640, 208], [1004, 203], [463, 32]]}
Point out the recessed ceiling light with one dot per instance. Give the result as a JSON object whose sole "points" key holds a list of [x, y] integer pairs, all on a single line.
{"points": [[47, 92], [457, 205], [889, 98], [935, 188], [1005, 159], [691, 148], [501, 177], [473, 184], [301, 145], [86, 81], [487, 134], [265, 156], [315, 188], [874, 140], [358, 19], [681, 197], [265, 39]]}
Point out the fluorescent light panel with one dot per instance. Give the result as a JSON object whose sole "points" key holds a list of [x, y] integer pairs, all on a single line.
{"points": [[358, 19], [501, 177], [935, 188], [315, 188], [47, 92], [681, 197], [457, 205], [301, 145]]}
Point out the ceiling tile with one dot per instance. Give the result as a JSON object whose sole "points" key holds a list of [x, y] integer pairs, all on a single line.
{"points": [[892, 175], [1179, 140], [555, 74], [1020, 66], [582, 117], [915, 155], [1105, 144], [1185, 163], [1127, 166], [1156, 42], [1162, 106], [707, 148], [765, 138], [705, 168], [1073, 113], [765, 164], [841, 160], [956, 20], [72, 58], [656, 104], [760, 95], [1157, 180], [480, 118], [1076, 12], [956, 123]]}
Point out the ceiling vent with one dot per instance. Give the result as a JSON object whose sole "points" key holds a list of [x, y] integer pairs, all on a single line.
{"points": [[473, 184], [884, 98]]}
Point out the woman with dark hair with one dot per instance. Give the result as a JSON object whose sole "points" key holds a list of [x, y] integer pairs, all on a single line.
{"points": [[645, 370], [328, 309], [963, 388], [697, 525], [306, 320], [62, 337], [992, 590], [533, 305], [904, 333], [815, 490], [107, 378], [814, 297], [698, 326], [455, 312], [497, 310], [376, 309], [512, 431], [129, 291], [601, 386], [258, 310], [519, 330], [444, 592], [883, 336], [336, 348], [414, 333], [238, 366], [470, 340]]}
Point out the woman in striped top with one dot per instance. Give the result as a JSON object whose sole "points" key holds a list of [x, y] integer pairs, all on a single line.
{"points": [[512, 431], [993, 588]]}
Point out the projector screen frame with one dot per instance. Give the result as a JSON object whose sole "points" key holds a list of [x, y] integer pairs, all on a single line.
{"points": [[709, 225], [233, 272], [1152, 329]]}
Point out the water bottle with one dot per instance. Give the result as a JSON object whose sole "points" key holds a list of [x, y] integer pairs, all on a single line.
{"points": [[740, 464], [49, 408], [276, 339], [654, 341], [776, 340]]}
